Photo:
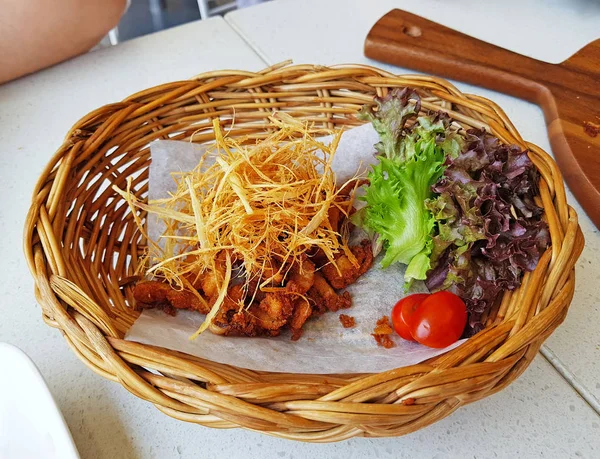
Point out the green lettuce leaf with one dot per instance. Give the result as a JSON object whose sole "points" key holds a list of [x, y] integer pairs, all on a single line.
{"points": [[411, 162]]}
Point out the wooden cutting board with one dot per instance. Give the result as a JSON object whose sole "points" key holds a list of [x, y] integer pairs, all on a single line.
{"points": [[568, 93]]}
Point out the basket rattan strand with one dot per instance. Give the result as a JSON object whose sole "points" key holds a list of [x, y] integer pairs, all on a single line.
{"points": [[82, 248]]}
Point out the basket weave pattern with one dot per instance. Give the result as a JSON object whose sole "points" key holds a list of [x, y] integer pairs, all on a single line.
{"points": [[83, 247]]}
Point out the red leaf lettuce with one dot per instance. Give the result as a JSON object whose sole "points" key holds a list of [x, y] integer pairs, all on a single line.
{"points": [[488, 229]]}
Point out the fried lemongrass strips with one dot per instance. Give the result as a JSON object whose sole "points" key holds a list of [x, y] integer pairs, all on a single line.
{"points": [[197, 208], [236, 184], [263, 203]]}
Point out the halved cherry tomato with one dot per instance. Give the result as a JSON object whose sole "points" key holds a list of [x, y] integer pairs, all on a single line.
{"points": [[439, 320], [403, 311]]}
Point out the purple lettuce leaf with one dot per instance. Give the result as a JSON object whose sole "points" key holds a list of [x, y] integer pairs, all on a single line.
{"points": [[488, 229]]}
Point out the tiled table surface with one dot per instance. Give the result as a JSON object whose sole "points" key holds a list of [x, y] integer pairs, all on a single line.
{"points": [[540, 415]]}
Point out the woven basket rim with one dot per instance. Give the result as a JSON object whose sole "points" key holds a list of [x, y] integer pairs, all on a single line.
{"points": [[82, 250]]}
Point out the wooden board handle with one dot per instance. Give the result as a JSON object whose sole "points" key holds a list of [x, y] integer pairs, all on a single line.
{"points": [[406, 40]]}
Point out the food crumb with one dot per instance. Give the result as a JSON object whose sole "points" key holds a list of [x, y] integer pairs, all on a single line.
{"points": [[384, 341], [347, 321], [383, 326], [591, 129], [381, 333]]}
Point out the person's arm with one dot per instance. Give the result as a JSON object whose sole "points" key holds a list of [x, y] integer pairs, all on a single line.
{"points": [[35, 34]]}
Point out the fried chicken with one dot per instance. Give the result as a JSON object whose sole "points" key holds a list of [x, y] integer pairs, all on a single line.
{"points": [[325, 298], [155, 294], [273, 312], [295, 292], [266, 317], [344, 272], [232, 318], [301, 276], [302, 312]]}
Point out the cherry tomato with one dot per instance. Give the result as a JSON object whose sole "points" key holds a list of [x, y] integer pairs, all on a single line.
{"points": [[403, 311], [439, 320]]}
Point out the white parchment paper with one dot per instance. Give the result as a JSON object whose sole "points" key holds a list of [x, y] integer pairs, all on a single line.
{"points": [[325, 347]]}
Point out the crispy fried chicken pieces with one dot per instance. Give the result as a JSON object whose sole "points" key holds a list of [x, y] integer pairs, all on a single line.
{"points": [[325, 298], [304, 289], [344, 272], [155, 294]]}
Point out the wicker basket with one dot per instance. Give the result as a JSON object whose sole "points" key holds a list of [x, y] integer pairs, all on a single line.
{"points": [[82, 247]]}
